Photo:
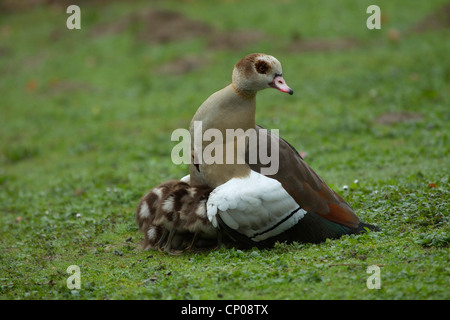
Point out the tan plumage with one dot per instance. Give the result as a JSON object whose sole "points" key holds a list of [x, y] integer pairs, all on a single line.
{"points": [[234, 107]]}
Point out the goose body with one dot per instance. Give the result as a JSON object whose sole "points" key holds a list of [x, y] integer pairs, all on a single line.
{"points": [[294, 204]]}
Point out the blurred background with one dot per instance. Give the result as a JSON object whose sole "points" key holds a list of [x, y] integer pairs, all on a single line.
{"points": [[106, 98]]}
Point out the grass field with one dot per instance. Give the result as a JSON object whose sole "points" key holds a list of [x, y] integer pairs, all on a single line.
{"points": [[86, 118]]}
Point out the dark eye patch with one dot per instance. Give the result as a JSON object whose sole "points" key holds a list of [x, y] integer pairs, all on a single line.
{"points": [[262, 66]]}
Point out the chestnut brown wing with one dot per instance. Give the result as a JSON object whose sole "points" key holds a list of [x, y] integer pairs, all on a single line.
{"points": [[304, 185]]}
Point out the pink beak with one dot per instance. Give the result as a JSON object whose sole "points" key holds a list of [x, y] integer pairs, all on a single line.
{"points": [[279, 84]]}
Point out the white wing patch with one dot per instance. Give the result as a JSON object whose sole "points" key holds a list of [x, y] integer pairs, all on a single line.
{"points": [[168, 204], [186, 179], [256, 206], [201, 209], [158, 192], [145, 210], [151, 233]]}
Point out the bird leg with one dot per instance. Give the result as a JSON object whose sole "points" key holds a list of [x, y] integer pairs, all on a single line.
{"points": [[194, 240], [220, 244], [168, 246], [162, 239]]}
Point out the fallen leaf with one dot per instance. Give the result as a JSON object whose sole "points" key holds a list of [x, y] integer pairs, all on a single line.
{"points": [[31, 85], [394, 35], [78, 192]]}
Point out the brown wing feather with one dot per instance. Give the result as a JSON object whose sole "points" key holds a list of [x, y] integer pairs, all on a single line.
{"points": [[306, 187]]}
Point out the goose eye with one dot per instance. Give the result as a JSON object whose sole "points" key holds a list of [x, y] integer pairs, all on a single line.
{"points": [[262, 67]]}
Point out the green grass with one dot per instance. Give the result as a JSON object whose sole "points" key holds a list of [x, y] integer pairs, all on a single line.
{"points": [[85, 131]]}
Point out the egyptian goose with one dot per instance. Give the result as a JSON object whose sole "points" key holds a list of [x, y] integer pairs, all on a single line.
{"points": [[293, 204]]}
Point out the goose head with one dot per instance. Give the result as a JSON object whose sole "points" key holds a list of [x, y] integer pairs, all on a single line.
{"points": [[258, 71]]}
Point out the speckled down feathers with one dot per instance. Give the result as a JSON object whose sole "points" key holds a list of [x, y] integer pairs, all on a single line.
{"points": [[174, 205]]}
